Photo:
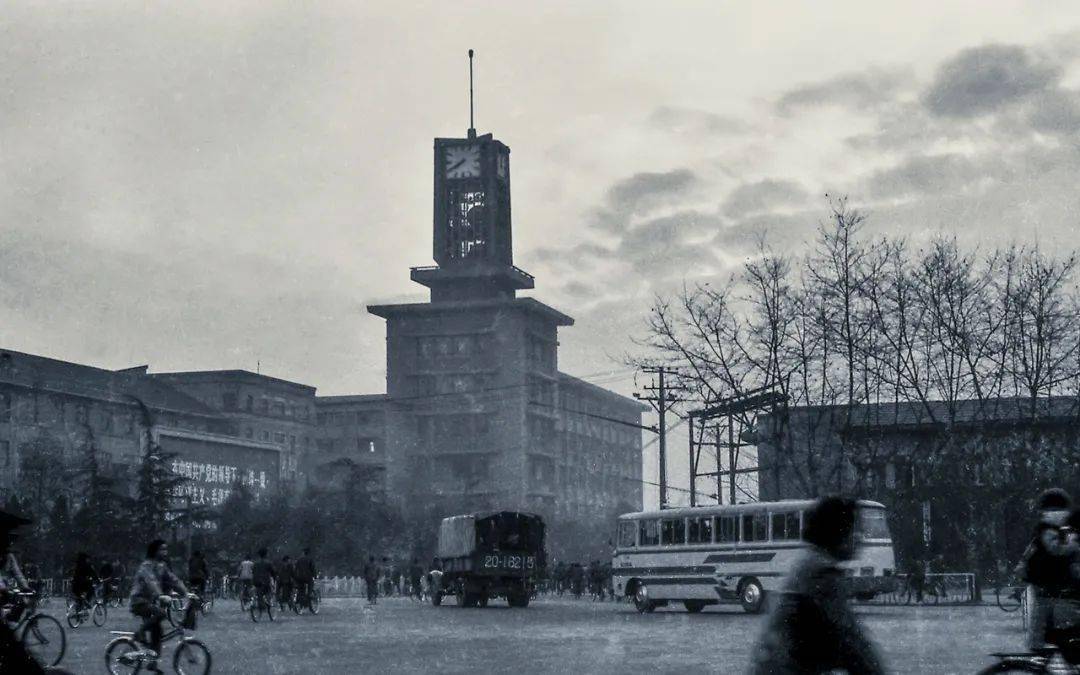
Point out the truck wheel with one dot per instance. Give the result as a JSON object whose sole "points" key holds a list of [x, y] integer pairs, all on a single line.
{"points": [[694, 606], [518, 599], [436, 598]]}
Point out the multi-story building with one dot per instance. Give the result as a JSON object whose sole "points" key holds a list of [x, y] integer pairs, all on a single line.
{"points": [[478, 415], [351, 436], [60, 412], [259, 407]]}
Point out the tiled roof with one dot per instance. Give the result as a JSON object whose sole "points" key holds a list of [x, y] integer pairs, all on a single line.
{"points": [[39, 372]]}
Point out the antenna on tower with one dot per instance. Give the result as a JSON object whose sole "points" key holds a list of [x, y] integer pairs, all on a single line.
{"points": [[472, 126]]}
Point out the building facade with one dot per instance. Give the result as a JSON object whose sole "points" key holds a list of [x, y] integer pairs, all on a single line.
{"points": [[59, 412], [959, 478]]}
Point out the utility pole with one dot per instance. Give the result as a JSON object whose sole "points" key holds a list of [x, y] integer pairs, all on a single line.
{"points": [[662, 401]]}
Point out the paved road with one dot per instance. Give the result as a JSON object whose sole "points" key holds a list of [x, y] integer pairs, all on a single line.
{"points": [[551, 636]]}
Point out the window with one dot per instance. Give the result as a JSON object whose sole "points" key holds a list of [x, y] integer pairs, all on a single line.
{"points": [[755, 527], [727, 529], [279, 409], [264, 435], [785, 526], [80, 413], [627, 534], [699, 531], [673, 532], [649, 532]]}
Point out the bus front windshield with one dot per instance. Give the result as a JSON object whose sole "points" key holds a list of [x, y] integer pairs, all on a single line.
{"points": [[872, 523]]}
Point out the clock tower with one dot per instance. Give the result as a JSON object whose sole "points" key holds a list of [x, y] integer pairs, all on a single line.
{"points": [[473, 245]]}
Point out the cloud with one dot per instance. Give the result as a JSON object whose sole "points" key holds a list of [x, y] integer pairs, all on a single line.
{"points": [[1056, 112], [859, 91], [670, 243], [691, 122], [925, 174], [985, 79], [764, 195]]}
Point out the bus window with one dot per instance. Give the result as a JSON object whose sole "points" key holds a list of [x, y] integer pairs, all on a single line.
{"points": [[700, 531], [785, 526], [627, 534], [650, 532], [871, 523], [727, 529], [673, 531], [755, 527]]}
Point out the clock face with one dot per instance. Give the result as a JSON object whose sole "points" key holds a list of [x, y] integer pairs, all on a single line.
{"points": [[463, 161]]}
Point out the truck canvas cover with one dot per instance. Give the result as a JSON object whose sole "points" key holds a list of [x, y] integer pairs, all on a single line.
{"points": [[457, 536]]}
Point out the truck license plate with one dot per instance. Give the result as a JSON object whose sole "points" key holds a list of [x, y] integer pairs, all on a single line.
{"points": [[509, 561]]}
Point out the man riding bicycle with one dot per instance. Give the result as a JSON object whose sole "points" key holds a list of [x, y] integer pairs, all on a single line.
{"points": [[246, 567], [304, 575], [150, 587], [82, 581], [262, 576], [198, 572]]}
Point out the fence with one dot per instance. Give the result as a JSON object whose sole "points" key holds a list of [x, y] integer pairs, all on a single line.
{"points": [[953, 588]]}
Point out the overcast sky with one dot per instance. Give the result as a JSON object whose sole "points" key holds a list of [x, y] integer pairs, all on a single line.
{"points": [[199, 187]]}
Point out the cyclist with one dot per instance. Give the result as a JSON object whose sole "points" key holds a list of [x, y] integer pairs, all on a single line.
{"points": [[304, 576], [245, 576], [262, 577], [153, 580], [105, 571], [285, 578], [198, 572], [82, 581], [13, 656], [1045, 563]]}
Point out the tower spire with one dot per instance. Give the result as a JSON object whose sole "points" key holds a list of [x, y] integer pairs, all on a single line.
{"points": [[472, 125]]}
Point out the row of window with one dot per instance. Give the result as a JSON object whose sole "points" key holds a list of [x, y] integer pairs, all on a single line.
{"points": [[748, 527], [453, 346], [266, 406], [344, 417]]}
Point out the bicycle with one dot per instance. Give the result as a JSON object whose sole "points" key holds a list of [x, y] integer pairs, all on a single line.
{"points": [[263, 602], [206, 595], [79, 610], [1061, 657], [245, 596], [309, 601], [1010, 595], [129, 653], [40, 634]]}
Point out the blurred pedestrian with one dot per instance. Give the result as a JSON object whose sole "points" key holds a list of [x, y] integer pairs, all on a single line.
{"points": [[812, 628]]}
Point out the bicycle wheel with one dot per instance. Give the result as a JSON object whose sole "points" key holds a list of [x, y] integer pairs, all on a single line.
{"points": [[191, 658], [254, 610], [100, 614], [123, 655], [75, 616], [45, 638], [245, 602], [270, 608], [1009, 597], [314, 600]]}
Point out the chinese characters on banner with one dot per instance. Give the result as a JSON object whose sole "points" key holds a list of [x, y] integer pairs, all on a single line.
{"points": [[210, 484]]}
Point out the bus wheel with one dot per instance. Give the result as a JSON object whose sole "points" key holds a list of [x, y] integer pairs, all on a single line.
{"points": [[752, 596], [641, 599], [694, 606]]}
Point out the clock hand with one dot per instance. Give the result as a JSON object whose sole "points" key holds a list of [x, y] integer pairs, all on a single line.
{"points": [[455, 166]]}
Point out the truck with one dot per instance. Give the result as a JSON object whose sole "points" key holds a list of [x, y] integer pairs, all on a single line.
{"points": [[489, 555]]}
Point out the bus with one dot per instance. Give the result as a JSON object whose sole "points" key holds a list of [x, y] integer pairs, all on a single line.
{"points": [[705, 555]]}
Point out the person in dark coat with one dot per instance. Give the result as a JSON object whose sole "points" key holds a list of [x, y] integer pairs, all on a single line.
{"points": [[812, 628]]}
